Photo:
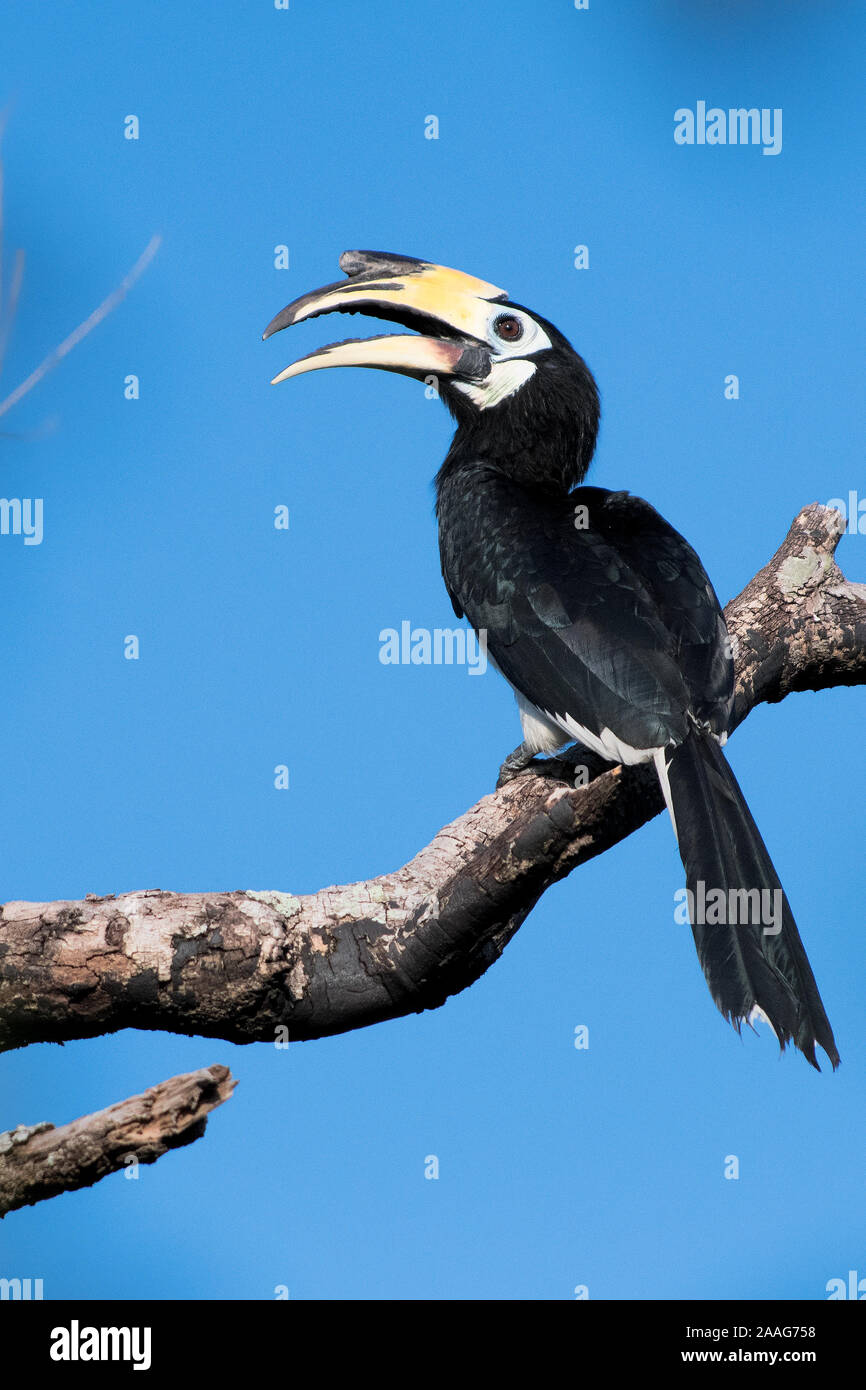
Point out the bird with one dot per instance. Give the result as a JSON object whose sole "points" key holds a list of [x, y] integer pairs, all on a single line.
{"points": [[597, 612]]}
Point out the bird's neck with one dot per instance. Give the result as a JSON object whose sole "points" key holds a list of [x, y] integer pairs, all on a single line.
{"points": [[485, 511], [479, 456], [478, 499]]}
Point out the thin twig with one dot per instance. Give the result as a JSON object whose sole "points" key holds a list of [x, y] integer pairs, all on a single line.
{"points": [[84, 328]]}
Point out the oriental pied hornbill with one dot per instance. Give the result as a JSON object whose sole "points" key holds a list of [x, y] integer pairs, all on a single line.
{"points": [[598, 613]]}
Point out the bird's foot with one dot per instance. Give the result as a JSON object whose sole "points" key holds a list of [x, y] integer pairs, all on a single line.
{"points": [[519, 761], [575, 765]]}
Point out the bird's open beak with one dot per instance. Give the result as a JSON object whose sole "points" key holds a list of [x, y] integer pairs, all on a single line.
{"points": [[431, 299]]}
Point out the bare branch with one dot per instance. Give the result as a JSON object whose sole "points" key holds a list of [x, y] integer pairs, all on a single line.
{"points": [[38, 1161], [239, 965], [104, 309]]}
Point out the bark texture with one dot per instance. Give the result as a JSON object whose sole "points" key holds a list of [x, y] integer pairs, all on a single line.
{"points": [[39, 1161]]}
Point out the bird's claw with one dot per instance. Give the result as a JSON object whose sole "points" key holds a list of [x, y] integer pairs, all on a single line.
{"points": [[575, 765]]}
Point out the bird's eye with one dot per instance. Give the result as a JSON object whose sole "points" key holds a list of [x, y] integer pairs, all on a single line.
{"points": [[508, 328]]}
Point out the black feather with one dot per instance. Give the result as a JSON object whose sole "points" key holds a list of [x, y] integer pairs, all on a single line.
{"points": [[744, 962]]}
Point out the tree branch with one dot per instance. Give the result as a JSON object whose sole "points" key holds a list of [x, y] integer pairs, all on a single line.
{"points": [[38, 1161], [240, 965]]}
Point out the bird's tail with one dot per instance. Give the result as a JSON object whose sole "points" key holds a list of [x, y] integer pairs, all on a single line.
{"points": [[748, 944]]}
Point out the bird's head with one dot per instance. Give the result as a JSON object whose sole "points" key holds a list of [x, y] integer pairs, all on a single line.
{"points": [[515, 385]]}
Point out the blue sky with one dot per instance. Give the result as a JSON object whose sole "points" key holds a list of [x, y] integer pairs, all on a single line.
{"points": [[305, 127]]}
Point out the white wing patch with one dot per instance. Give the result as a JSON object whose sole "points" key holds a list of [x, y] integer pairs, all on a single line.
{"points": [[543, 732]]}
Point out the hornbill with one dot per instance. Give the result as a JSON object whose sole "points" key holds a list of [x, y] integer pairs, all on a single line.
{"points": [[598, 613]]}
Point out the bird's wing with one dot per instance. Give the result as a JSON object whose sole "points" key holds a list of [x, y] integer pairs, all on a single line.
{"points": [[603, 619], [672, 573]]}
